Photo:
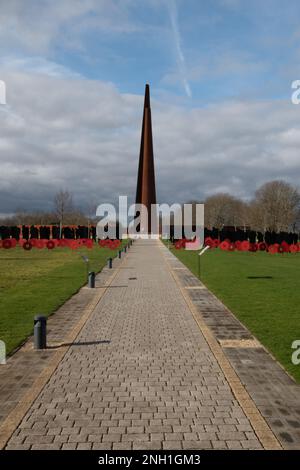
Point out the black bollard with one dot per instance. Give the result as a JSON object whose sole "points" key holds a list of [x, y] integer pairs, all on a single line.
{"points": [[109, 263], [40, 332], [91, 280], [120, 254]]}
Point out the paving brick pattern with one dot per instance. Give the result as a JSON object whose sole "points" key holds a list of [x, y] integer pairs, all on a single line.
{"points": [[274, 392], [140, 375], [26, 364]]}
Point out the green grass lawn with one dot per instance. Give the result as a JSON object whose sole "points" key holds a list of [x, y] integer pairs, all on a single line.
{"points": [[261, 289], [39, 281]]}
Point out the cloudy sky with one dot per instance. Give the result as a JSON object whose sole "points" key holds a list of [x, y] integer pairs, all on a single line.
{"points": [[220, 73]]}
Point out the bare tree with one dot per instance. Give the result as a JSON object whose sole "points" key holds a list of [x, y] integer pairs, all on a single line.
{"points": [[77, 217], [63, 205], [91, 211], [296, 223], [223, 209], [257, 216], [20, 217], [275, 207]]}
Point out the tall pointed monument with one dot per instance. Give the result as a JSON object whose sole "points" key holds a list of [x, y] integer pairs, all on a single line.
{"points": [[145, 191]]}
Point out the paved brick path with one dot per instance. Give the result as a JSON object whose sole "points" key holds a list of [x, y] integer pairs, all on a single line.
{"points": [[140, 375], [275, 394]]}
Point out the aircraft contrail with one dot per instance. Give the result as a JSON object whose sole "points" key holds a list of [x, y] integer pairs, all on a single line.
{"points": [[172, 7]]}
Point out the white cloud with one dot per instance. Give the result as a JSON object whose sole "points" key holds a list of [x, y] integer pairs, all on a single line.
{"points": [[84, 135], [38, 65], [37, 27], [173, 12]]}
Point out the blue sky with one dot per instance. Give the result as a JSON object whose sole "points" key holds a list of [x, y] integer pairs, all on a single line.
{"points": [[220, 74], [230, 48]]}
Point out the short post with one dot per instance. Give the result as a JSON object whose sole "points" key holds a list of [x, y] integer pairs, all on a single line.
{"points": [[91, 280], [87, 263], [110, 261], [40, 332], [199, 255], [120, 254]]}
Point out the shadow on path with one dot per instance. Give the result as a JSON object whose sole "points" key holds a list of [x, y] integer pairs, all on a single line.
{"points": [[84, 343]]}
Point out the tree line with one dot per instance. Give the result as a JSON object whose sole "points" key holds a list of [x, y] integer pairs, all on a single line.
{"points": [[64, 213], [275, 207]]}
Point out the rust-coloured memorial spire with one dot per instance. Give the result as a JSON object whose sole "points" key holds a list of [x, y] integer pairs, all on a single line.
{"points": [[145, 191]]}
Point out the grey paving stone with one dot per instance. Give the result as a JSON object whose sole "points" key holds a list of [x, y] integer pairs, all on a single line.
{"points": [[141, 375], [274, 392]]}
